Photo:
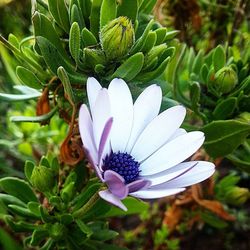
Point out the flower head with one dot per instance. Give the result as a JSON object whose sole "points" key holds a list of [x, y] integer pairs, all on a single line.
{"points": [[135, 150]]}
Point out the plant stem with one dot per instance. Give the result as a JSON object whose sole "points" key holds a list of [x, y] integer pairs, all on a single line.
{"points": [[84, 209]]}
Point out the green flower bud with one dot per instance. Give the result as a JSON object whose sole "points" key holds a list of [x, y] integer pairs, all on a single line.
{"points": [[117, 37], [237, 196], [57, 231], [225, 80], [43, 178], [94, 57]]}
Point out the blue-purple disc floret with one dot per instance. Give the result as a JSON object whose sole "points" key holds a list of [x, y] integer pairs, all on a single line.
{"points": [[123, 164]]}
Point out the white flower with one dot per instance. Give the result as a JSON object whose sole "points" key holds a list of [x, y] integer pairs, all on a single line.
{"points": [[135, 150]]}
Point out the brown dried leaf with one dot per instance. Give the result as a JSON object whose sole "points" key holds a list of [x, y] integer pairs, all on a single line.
{"points": [[43, 105], [212, 205], [172, 217], [71, 151]]}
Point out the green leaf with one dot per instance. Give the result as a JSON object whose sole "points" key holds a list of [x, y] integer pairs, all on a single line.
{"points": [[34, 208], [7, 242], [21, 211], [28, 78], [225, 108], [195, 92], [15, 98], [51, 56], [222, 137], [160, 33], [84, 228], [108, 12], [40, 118], [95, 17], [219, 58], [128, 8], [104, 235], [88, 38], [171, 34], [197, 63], [142, 40], [76, 16], [10, 199], [150, 42], [130, 68], [74, 41], [148, 76], [38, 236], [68, 91], [59, 11], [213, 220], [204, 73], [19, 226], [18, 188], [44, 28], [134, 206], [147, 6]]}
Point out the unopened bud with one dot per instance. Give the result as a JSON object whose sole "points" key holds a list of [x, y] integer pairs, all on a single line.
{"points": [[43, 178], [94, 57], [237, 196], [225, 80], [117, 37]]}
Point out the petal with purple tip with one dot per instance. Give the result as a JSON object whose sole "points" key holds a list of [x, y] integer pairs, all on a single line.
{"points": [[116, 184], [137, 185], [104, 147], [109, 197]]}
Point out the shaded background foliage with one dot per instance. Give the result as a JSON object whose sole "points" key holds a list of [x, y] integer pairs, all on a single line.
{"points": [[219, 214]]}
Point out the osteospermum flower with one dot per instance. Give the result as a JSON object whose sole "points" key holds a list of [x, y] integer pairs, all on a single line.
{"points": [[135, 150]]}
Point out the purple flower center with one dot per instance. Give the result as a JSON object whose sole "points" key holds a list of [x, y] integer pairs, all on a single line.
{"points": [[123, 164]]}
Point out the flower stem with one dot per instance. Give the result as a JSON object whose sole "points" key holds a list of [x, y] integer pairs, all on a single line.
{"points": [[84, 209]]}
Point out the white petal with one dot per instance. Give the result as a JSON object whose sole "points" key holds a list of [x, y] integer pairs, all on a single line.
{"points": [[154, 194], [146, 108], [93, 87], [199, 173], [101, 114], [122, 112], [171, 173], [86, 132], [109, 197], [178, 132], [158, 132], [172, 153]]}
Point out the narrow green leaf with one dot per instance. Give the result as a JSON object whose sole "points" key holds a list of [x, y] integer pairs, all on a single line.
{"points": [[84, 228], [150, 42], [197, 63], [219, 58], [28, 169], [108, 12], [195, 92], [222, 137], [147, 6], [161, 34], [7, 242], [95, 17], [21, 211], [34, 118], [76, 16], [225, 108], [134, 206], [148, 76], [142, 40], [171, 34], [18, 188], [128, 8], [74, 41], [130, 68], [88, 38], [62, 74], [204, 73], [28, 78], [44, 28], [10, 199], [15, 97], [38, 236]]}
